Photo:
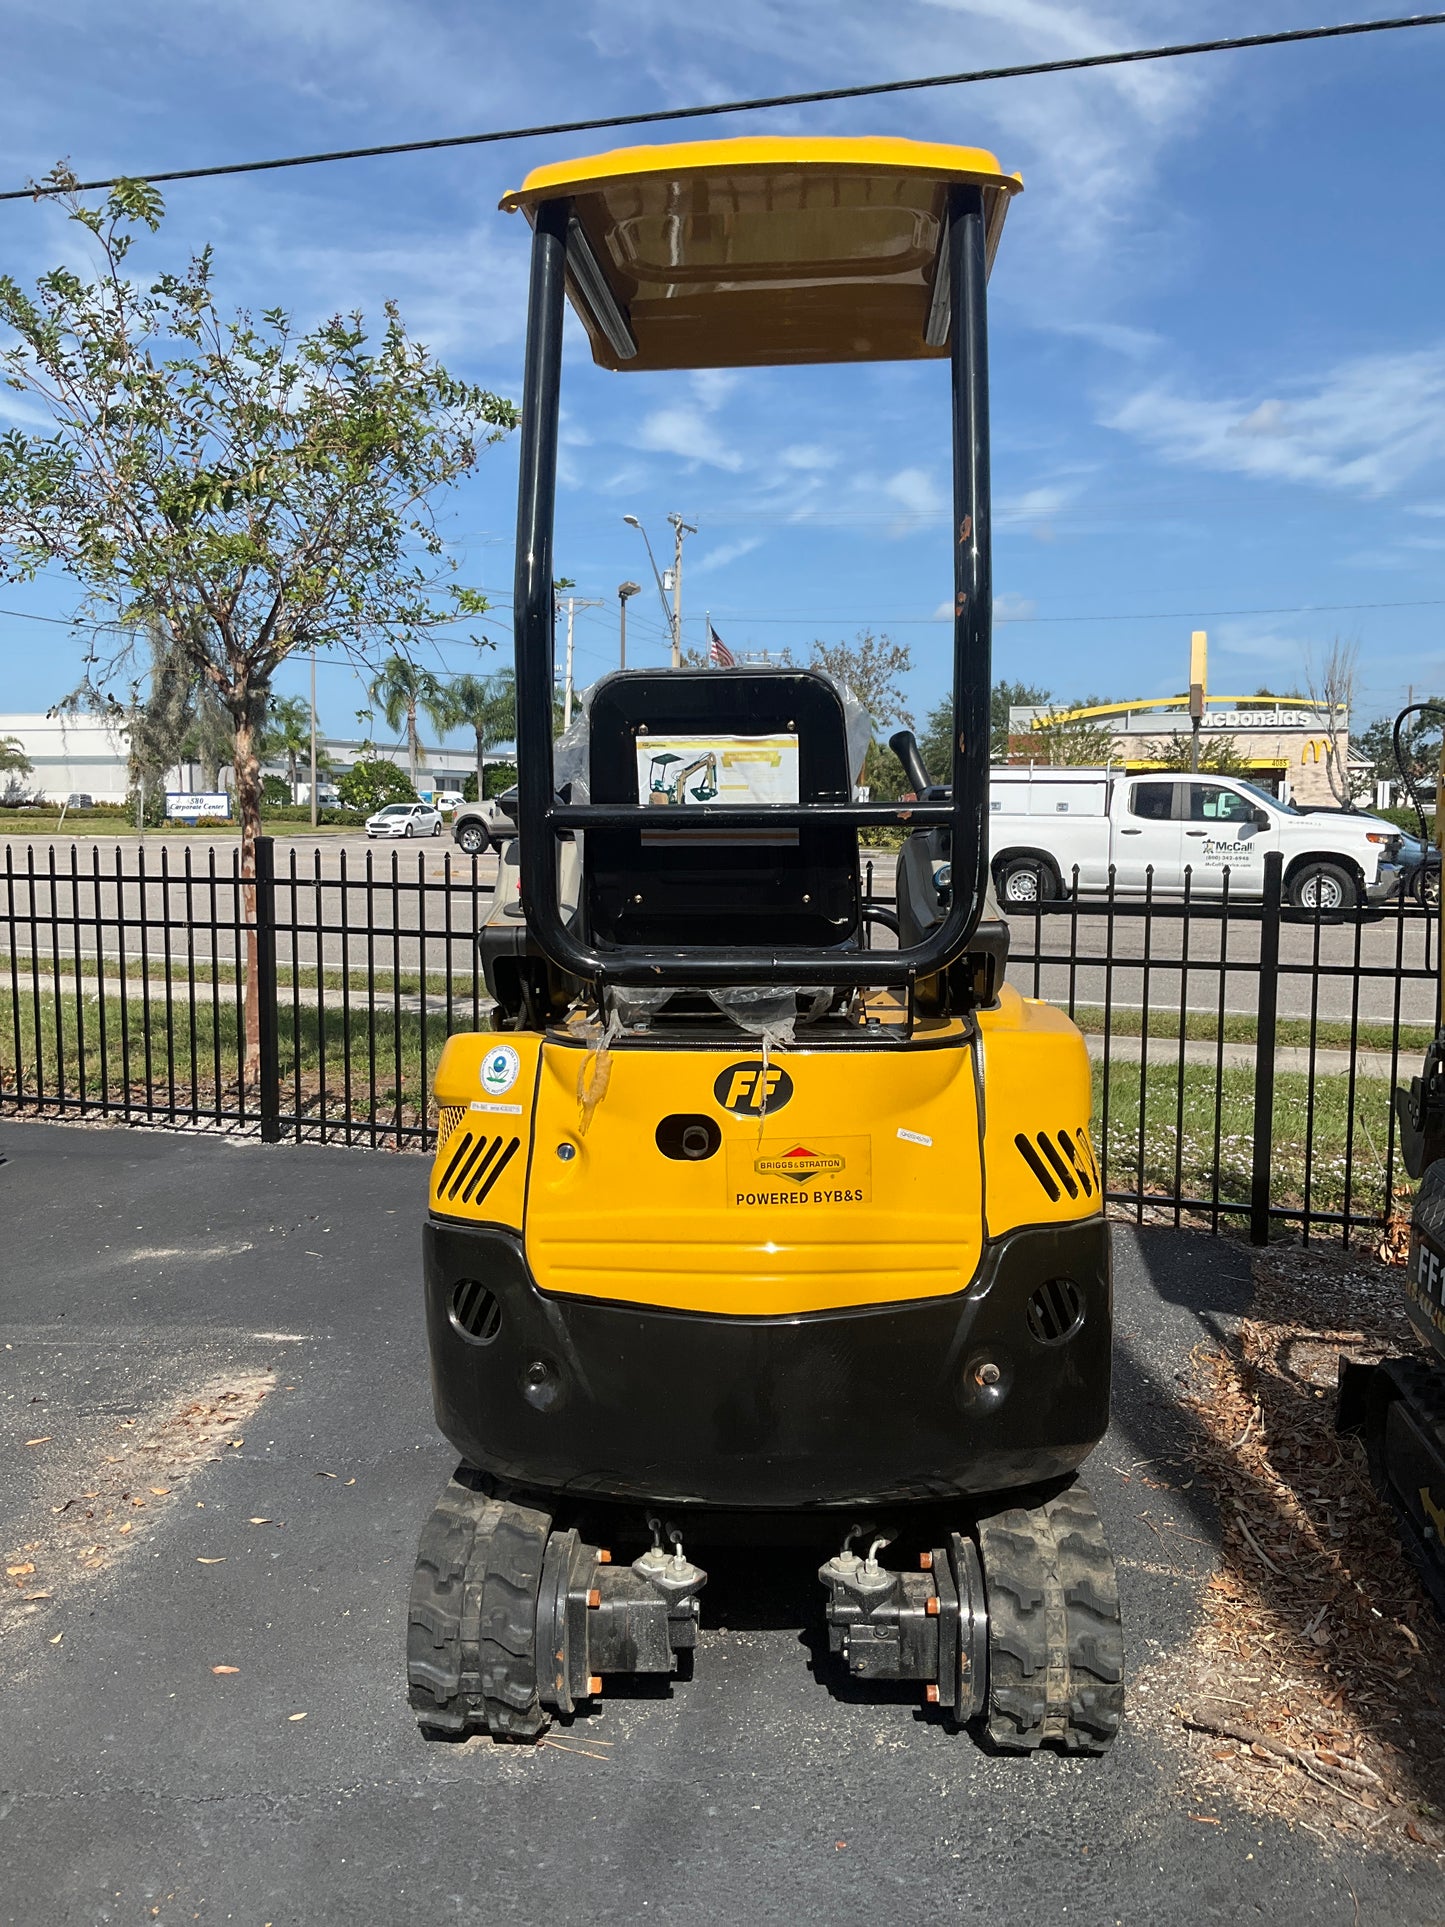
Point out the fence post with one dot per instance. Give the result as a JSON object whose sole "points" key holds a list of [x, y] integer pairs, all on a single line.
{"points": [[269, 1067], [1264, 1047]]}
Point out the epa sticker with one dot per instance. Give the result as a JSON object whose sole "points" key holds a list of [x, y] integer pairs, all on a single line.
{"points": [[500, 1068]]}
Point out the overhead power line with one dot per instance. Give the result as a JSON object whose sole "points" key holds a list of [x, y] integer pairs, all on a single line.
{"points": [[1080, 63], [1002, 619]]}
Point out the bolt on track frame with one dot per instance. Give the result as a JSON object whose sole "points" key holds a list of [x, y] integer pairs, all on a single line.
{"points": [[542, 818]]}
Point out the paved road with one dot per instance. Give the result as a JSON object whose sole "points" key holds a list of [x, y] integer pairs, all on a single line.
{"points": [[135, 1784], [424, 902]]}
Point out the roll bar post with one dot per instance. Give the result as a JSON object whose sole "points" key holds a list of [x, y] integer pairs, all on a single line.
{"points": [[541, 818]]}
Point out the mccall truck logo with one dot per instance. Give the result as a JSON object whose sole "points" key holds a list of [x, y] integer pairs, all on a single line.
{"points": [[814, 1171]]}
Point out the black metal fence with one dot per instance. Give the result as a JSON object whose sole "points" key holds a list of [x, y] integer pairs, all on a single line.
{"points": [[1244, 1054]]}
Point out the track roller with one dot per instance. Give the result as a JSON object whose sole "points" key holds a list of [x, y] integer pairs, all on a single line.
{"points": [[511, 1622], [1015, 1628]]}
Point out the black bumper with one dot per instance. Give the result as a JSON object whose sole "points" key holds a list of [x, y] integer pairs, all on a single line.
{"points": [[580, 1396]]}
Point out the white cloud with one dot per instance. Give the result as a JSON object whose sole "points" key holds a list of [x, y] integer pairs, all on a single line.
{"points": [[807, 457], [689, 432], [1014, 608], [1368, 425], [719, 558], [916, 491]]}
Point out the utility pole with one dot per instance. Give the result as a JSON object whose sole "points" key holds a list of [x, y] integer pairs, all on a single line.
{"points": [[574, 603], [679, 529], [313, 738], [625, 590]]}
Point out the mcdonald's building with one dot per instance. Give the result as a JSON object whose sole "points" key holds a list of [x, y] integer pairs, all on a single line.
{"points": [[1287, 744]]}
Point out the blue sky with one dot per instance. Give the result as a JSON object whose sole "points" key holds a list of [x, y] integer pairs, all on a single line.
{"points": [[1218, 315]]}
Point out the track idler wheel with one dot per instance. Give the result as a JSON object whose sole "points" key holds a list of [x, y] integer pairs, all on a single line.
{"points": [[511, 1622], [1055, 1642]]}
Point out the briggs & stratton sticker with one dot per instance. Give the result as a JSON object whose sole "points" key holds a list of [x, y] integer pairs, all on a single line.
{"points": [[801, 1171]]}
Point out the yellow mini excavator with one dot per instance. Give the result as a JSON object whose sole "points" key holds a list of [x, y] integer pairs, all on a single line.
{"points": [[762, 1210]]}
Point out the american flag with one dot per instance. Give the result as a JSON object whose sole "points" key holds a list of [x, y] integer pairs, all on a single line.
{"points": [[718, 651]]}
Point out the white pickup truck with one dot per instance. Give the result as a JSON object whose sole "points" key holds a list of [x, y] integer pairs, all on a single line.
{"points": [[1048, 825]]}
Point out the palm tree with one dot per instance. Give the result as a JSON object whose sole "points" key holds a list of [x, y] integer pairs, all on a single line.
{"points": [[400, 688], [487, 705], [287, 732]]}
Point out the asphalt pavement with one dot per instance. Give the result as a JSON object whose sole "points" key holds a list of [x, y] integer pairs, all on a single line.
{"points": [[136, 1783]]}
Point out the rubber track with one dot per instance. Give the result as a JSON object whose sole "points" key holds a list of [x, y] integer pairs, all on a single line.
{"points": [[507, 1672], [1055, 1643], [471, 1620], [434, 1669]]}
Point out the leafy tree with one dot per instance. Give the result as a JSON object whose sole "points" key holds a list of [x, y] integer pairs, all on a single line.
{"points": [[1218, 755], [400, 688], [158, 728], [14, 764], [871, 667], [253, 488], [1419, 739], [211, 739], [373, 781], [1080, 742], [287, 732], [936, 743], [487, 705]]}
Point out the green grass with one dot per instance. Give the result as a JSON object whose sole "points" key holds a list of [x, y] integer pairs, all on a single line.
{"points": [[1324, 1149], [1329, 1033], [385, 982], [1165, 1131], [79, 1050]]}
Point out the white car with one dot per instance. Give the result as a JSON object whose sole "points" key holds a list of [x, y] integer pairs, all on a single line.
{"points": [[447, 800], [405, 819]]}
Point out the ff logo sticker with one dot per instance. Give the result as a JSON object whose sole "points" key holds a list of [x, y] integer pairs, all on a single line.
{"points": [[750, 1090], [500, 1069]]}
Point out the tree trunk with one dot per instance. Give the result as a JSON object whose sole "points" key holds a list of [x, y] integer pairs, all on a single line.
{"points": [[411, 742], [291, 759], [248, 803], [481, 766]]}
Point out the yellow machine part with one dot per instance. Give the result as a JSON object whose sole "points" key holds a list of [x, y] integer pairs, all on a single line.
{"points": [[864, 1182]]}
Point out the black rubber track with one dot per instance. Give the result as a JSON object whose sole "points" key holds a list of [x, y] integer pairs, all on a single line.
{"points": [[471, 1622], [1055, 1644], [507, 1643], [435, 1668]]}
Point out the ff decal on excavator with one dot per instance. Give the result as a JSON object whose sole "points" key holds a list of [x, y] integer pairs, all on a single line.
{"points": [[753, 1089]]}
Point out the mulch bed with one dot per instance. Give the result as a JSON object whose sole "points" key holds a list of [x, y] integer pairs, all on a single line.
{"points": [[1315, 1687]]}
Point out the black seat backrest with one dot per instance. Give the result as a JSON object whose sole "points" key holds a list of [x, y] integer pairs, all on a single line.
{"points": [[714, 887]]}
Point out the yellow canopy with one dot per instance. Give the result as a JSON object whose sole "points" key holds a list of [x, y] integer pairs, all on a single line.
{"points": [[760, 251]]}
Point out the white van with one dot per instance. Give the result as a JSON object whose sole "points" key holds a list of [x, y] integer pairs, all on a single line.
{"points": [[1048, 826]]}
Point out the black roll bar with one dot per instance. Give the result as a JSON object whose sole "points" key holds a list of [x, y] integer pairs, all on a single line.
{"points": [[541, 818]]}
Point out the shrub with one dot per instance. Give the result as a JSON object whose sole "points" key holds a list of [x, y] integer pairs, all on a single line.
{"points": [[367, 785]]}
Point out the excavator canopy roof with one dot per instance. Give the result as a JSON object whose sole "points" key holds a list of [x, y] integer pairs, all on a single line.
{"points": [[764, 251]]}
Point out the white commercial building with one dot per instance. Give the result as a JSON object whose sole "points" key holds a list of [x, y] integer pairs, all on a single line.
{"points": [[72, 756], [89, 756]]}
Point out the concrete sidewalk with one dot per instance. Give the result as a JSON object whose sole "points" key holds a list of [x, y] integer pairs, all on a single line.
{"points": [[137, 1783]]}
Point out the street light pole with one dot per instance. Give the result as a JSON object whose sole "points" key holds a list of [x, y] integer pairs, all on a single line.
{"points": [[624, 591]]}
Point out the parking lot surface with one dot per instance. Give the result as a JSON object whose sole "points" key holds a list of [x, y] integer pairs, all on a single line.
{"points": [[138, 1783]]}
